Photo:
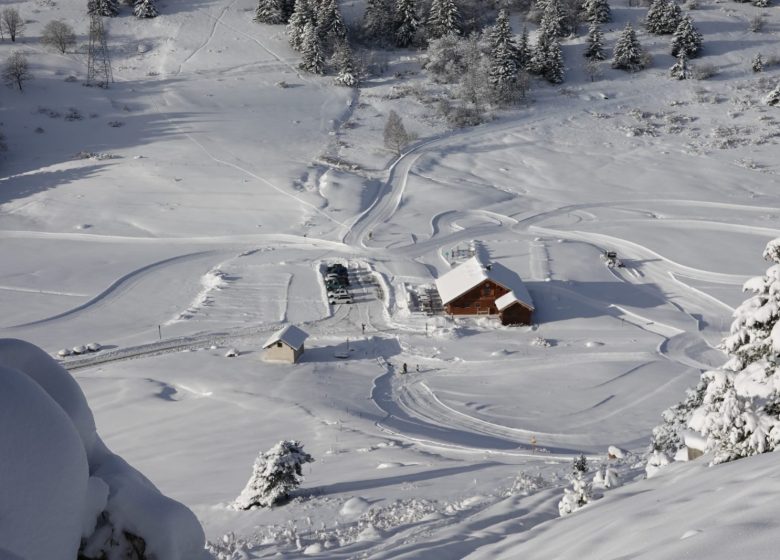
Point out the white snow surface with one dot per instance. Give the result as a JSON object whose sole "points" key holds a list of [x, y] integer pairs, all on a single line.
{"points": [[58, 476], [217, 168]]}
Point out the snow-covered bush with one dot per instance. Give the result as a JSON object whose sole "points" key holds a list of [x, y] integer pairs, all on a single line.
{"points": [[657, 461], [275, 474], [580, 492], [773, 97], [64, 494]]}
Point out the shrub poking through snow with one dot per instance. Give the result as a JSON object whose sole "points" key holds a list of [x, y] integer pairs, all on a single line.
{"points": [[580, 492], [275, 474], [773, 97]]}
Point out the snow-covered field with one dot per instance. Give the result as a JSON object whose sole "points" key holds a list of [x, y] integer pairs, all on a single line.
{"points": [[207, 227]]}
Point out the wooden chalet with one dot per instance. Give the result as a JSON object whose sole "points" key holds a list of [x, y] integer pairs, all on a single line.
{"points": [[476, 289]]}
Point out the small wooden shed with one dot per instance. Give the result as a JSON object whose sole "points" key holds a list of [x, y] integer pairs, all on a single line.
{"points": [[476, 289], [285, 345]]}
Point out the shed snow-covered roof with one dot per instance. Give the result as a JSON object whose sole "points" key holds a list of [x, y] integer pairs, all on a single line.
{"points": [[290, 335], [472, 273]]}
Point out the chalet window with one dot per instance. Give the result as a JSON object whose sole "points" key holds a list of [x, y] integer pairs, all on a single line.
{"points": [[278, 344], [487, 290]]}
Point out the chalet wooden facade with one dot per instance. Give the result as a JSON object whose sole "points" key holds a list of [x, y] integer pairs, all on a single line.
{"points": [[474, 289]]}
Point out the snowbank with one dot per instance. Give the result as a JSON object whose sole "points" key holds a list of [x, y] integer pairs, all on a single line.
{"points": [[48, 500]]}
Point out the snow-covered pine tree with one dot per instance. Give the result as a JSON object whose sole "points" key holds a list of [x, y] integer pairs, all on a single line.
{"points": [[312, 59], [269, 11], [663, 17], [597, 11], [302, 14], [667, 437], [501, 34], [378, 21], [346, 74], [549, 30], [502, 72], [680, 70], [275, 474], [524, 50], [554, 69], [762, 3], [145, 9], [580, 492], [443, 19], [773, 97], [594, 44], [552, 21], [739, 410], [330, 24], [757, 64], [627, 54], [105, 8], [755, 333], [407, 23], [686, 39]]}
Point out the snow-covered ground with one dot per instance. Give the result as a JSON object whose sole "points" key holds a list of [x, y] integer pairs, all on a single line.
{"points": [[207, 229]]}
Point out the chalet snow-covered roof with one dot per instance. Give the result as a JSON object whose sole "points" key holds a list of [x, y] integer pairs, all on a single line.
{"points": [[472, 273], [290, 335]]}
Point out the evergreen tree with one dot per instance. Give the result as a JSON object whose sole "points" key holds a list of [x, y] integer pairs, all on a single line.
{"points": [[105, 8], [580, 492], [553, 72], [502, 71], [547, 59], [345, 65], [552, 24], [761, 3], [594, 49], [667, 437], [270, 11], [524, 50], [378, 21], [145, 9], [407, 23], [757, 64], [275, 474], [444, 19], [679, 69], [739, 408], [663, 17], [312, 59], [302, 15], [597, 11], [686, 39], [627, 54], [501, 35], [330, 24]]}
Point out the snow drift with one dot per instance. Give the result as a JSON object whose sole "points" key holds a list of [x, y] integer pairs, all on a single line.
{"points": [[61, 486]]}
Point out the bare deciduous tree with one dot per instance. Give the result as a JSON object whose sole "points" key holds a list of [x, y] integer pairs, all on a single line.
{"points": [[59, 35], [396, 137], [12, 22], [16, 71]]}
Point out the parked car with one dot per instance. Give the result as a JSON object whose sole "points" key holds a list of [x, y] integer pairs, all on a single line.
{"points": [[340, 298]]}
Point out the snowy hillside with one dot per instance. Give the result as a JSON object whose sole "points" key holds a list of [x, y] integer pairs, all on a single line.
{"points": [[191, 208]]}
